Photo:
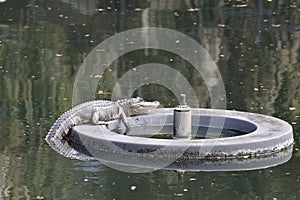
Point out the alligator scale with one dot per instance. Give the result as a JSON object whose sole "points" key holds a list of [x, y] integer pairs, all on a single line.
{"points": [[93, 112]]}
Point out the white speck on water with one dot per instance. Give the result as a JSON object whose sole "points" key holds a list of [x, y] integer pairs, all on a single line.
{"points": [[133, 187], [85, 180], [185, 190], [177, 41], [193, 179]]}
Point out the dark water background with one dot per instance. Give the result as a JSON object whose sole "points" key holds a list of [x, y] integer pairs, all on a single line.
{"points": [[255, 44]]}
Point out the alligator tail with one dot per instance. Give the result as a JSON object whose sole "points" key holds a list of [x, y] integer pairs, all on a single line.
{"points": [[58, 136]]}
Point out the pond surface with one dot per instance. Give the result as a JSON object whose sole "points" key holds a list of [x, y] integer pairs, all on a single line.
{"points": [[255, 45]]}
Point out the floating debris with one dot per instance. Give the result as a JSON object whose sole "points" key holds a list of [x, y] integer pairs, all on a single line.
{"points": [[276, 25], [100, 10], [193, 9], [98, 76], [221, 25], [100, 92], [58, 55], [292, 108], [240, 5]]}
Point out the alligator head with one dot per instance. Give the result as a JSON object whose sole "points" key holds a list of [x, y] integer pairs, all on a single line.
{"points": [[135, 106]]}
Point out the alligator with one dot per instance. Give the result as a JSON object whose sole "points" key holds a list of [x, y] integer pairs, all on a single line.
{"points": [[97, 112]]}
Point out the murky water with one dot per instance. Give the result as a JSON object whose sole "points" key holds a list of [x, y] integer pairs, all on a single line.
{"points": [[255, 45]]}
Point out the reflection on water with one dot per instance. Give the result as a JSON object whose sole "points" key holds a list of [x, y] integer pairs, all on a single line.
{"points": [[254, 43]]}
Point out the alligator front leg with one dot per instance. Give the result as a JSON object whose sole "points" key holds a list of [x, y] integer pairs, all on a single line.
{"points": [[124, 119], [121, 114]]}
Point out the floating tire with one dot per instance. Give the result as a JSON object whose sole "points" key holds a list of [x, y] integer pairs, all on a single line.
{"points": [[256, 136]]}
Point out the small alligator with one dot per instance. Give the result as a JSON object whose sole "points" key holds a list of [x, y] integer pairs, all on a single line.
{"points": [[94, 112]]}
